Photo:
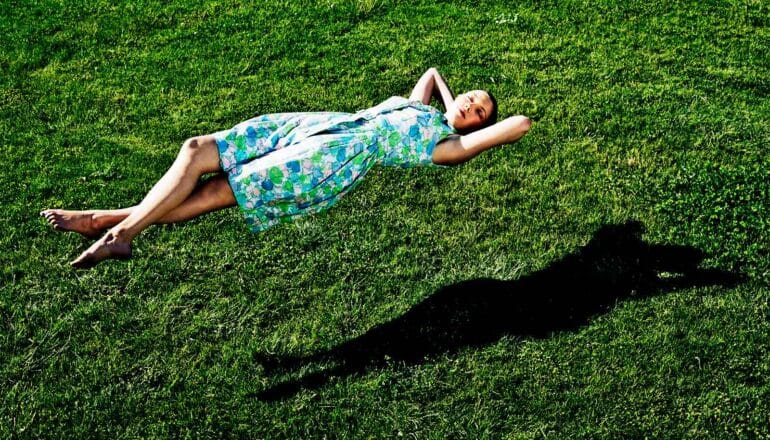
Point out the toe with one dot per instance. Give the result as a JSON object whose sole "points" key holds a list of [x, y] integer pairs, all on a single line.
{"points": [[79, 265], [82, 262]]}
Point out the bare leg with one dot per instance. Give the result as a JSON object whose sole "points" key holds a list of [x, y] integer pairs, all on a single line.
{"points": [[209, 196], [197, 156]]}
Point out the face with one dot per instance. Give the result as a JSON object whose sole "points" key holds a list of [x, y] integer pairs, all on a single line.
{"points": [[469, 110]]}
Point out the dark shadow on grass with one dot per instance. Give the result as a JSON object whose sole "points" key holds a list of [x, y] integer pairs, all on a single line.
{"points": [[616, 264]]}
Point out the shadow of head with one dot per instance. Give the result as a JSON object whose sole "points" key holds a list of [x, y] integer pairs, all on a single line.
{"points": [[615, 264]]}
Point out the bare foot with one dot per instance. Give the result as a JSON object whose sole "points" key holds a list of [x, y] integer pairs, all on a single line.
{"points": [[109, 246], [81, 222]]}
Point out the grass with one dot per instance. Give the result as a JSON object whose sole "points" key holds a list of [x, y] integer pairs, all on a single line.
{"points": [[648, 111]]}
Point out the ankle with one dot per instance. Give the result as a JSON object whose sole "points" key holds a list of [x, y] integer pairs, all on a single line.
{"points": [[119, 234], [104, 219], [98, 220]]}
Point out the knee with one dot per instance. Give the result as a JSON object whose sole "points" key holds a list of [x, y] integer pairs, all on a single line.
{"points": [[200, 151], [192, 147]]}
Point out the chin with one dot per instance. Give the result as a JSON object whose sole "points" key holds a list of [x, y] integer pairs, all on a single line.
{"points": [[466, 129], [457, 123]]}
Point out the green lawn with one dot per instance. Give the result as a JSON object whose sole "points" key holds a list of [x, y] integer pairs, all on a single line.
{"points": [[606, 277]]}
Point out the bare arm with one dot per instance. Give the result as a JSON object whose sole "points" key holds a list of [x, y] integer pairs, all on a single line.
{"points": [[458, 149], [431, 84]]}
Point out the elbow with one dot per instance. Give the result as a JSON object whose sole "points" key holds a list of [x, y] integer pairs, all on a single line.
{"points": [[521, 127], [524, 124]]}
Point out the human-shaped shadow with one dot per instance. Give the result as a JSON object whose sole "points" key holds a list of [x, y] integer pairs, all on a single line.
{"points": [[616, 264]]}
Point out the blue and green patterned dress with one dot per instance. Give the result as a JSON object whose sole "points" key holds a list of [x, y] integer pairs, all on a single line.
{"points": [[285, 165]]}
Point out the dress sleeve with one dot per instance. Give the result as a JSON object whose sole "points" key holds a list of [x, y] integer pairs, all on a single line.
{"points": [[413, 141]]}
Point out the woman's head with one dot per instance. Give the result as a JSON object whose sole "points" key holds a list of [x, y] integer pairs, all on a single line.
{"points": [[472, 111]]}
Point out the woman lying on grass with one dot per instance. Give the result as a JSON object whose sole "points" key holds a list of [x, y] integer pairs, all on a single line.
{"points": [[281, 166]]}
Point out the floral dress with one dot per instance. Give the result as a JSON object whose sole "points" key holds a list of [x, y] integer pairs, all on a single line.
{"points": [[285, 165]]}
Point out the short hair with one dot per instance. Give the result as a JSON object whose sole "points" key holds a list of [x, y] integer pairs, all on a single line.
{"points": [[492, 116]]}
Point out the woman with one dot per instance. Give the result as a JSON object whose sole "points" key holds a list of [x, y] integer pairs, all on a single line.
{"points": [[280, 166]]}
